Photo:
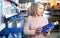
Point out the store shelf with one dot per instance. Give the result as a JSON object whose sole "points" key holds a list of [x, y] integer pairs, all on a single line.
{"points": [[56, 17], [10, 15], [11, 30], [2, 26]]}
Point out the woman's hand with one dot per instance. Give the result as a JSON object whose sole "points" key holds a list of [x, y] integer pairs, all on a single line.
{"points": [[38, 31], [47, 32]]}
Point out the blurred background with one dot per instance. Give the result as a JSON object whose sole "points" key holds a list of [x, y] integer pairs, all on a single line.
{"points": [[22, 8]]}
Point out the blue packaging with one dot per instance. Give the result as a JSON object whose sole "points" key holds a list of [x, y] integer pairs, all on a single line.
{"points": [[48, 26]]}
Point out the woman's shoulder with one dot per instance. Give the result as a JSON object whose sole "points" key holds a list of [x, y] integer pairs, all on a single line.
{"points": [[45, 18], [30, 17]]}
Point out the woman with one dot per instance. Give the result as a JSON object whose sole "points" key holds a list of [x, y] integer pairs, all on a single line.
{"points": [[35, 22]]}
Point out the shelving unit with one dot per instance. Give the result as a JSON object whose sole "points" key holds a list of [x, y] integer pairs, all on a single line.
{"points": [[56, 17], [13, 21]]}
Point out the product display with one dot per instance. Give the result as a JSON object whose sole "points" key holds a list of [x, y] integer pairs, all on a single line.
{"points": [[10, 22]]}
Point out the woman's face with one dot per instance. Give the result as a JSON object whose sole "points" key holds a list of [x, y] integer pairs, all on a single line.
{"points": [[40, 10]]}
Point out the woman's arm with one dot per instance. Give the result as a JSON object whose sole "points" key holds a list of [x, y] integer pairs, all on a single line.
{"points": [[28, 31], [48, 31]]}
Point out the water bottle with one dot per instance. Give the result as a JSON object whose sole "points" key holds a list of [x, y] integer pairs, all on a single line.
{"points": [[49, 26], [14, 25], [19, 35], [19, 25], [10, 24], [1, 18], [10, 35], [13, 8], [3, 36], [1, 13]]}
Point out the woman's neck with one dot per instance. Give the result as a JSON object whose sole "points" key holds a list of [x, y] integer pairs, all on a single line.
{"points": [[36, 16]]}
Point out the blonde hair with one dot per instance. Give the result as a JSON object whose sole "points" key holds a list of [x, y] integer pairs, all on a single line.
{"points": [[34, 7]]}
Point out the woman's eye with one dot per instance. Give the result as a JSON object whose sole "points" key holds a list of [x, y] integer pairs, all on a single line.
{"points": [[41, 8]]}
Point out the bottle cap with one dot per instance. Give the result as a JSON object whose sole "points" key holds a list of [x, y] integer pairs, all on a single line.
{"points": [[55, 23]]}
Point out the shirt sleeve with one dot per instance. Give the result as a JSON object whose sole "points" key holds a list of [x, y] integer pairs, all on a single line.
{"points": [[28, 31]]}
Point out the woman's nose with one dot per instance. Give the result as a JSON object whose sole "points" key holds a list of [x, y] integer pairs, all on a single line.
{"points": [[42, 10]]}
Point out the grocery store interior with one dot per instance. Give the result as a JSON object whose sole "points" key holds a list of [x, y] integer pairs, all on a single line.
{"points": [[14, 13]]}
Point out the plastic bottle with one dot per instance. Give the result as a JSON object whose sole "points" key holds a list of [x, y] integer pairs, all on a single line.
{"points": [[10, 35], [49, 26]]}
